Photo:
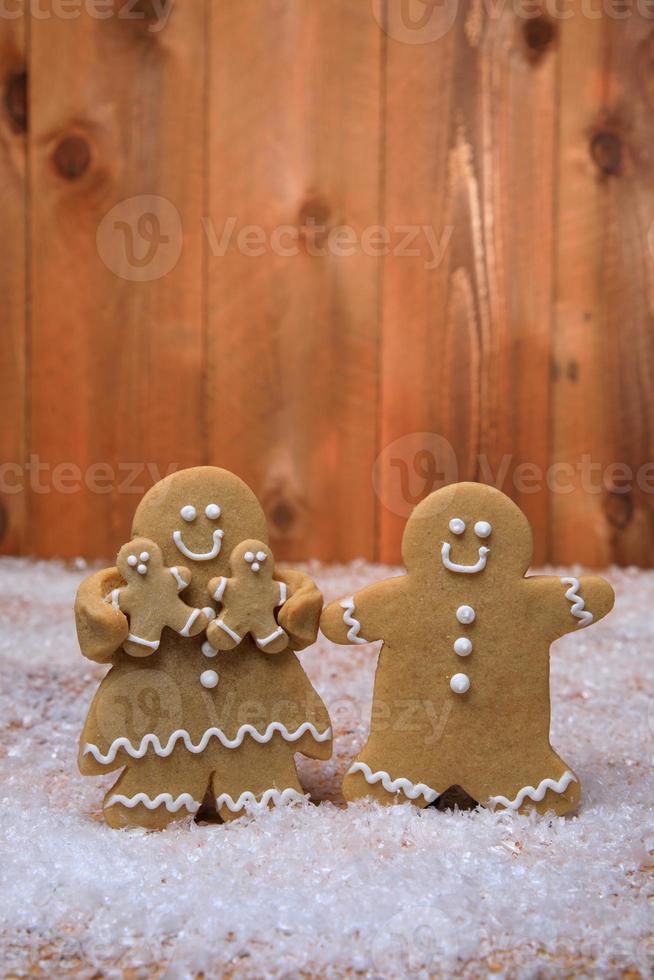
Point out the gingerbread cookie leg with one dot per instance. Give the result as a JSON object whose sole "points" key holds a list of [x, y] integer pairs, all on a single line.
{"points": [[153, 792], [365, 778], [549, 787], [242, 782]]}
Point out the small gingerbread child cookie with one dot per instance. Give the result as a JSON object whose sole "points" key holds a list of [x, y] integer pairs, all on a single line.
{"points": [[150, 599], [462, 683], [248, 599]]}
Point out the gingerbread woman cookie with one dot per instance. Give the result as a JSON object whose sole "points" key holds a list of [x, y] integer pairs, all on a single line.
{"points": [[462, 686], [182, 725], [248, 600], [150, 599]]}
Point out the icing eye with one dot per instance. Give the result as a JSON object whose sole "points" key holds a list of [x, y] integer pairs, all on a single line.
{"points": [[132, 561], [249, 557], [482, 529], [144, 556], [457, 526], [212, 511], [188, 513], [261, 555]]}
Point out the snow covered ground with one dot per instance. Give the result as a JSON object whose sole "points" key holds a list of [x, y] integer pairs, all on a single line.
{"points": [[325, 890]]}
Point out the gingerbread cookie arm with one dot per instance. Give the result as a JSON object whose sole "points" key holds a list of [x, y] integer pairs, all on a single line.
{"points": [[299, 612], [101, 627], [568, 604], [355, 619]]}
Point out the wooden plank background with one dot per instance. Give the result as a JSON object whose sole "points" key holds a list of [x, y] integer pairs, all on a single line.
{"points": [[350, 250]]}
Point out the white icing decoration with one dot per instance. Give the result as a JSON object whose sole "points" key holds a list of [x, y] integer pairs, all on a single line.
{"points": [[460, 683], [209, 678], [212, 511], [208, 650], [234, 635], [457, 526], [411, 790], [142, 569], [463, 646], [261, 556], [349, 620], [188, 513], [483, 529], [262, 644], [150, 644], [255, 566], [132, 561], [534, 793], [165, 799], [145, 556], [249, 556], [189, 622], [578, 605], [479, 565], [114, 597], [282, 593], [152, 741], [249, 799], [209, 612], [465, 615], [218, 594], [181, 584], [199, 555]]}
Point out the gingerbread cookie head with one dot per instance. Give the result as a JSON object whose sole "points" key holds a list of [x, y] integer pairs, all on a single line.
{"points": [[196, 517], [252, 560], [138, 558], [466, 529]]}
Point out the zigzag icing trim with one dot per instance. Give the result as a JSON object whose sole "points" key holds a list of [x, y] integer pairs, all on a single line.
{"points": [[536, 793], [578, 605], [152, 741], [349, 620], [163, 799], [411, 790], [249, 799]]}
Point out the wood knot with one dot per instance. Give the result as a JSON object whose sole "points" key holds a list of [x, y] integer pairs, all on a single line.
{"points": [[540, 34], [606, 151], [72, 157], [282, 517], [619, 508], [16, 100], [313, 222]]}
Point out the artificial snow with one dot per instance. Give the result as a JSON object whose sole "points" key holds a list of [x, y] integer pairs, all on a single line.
{"points": [[322, 890]]}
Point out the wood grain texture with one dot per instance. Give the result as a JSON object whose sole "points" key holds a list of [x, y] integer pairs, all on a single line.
{"points": [[470, 116], [13, 284], [292, 343], [603, 401], [117, 341]]}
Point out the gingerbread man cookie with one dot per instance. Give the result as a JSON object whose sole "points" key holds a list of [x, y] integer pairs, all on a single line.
{"points": [[248, 600], [185, 726], [462, 686], [150, 599]]}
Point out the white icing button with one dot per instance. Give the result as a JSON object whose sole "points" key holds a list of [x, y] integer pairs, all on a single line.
{"points": [[255, 566], [482, 529], [208, 650], [457, 526], [460, 683], [465, 615], [261, 555], [132, 561], [209, 678], [463, 646], [209, 612], [212, 511], [249, 556], [142, 569], [188, 513], [145, 556]]}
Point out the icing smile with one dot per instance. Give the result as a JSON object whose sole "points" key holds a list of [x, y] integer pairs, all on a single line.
{"points": [[200, 555], [479, 565]]}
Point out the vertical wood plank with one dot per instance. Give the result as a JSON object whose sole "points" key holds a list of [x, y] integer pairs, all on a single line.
{"points": [[292, 344], [13, 127], [603, 401], [470, 156], [117, 158]]}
